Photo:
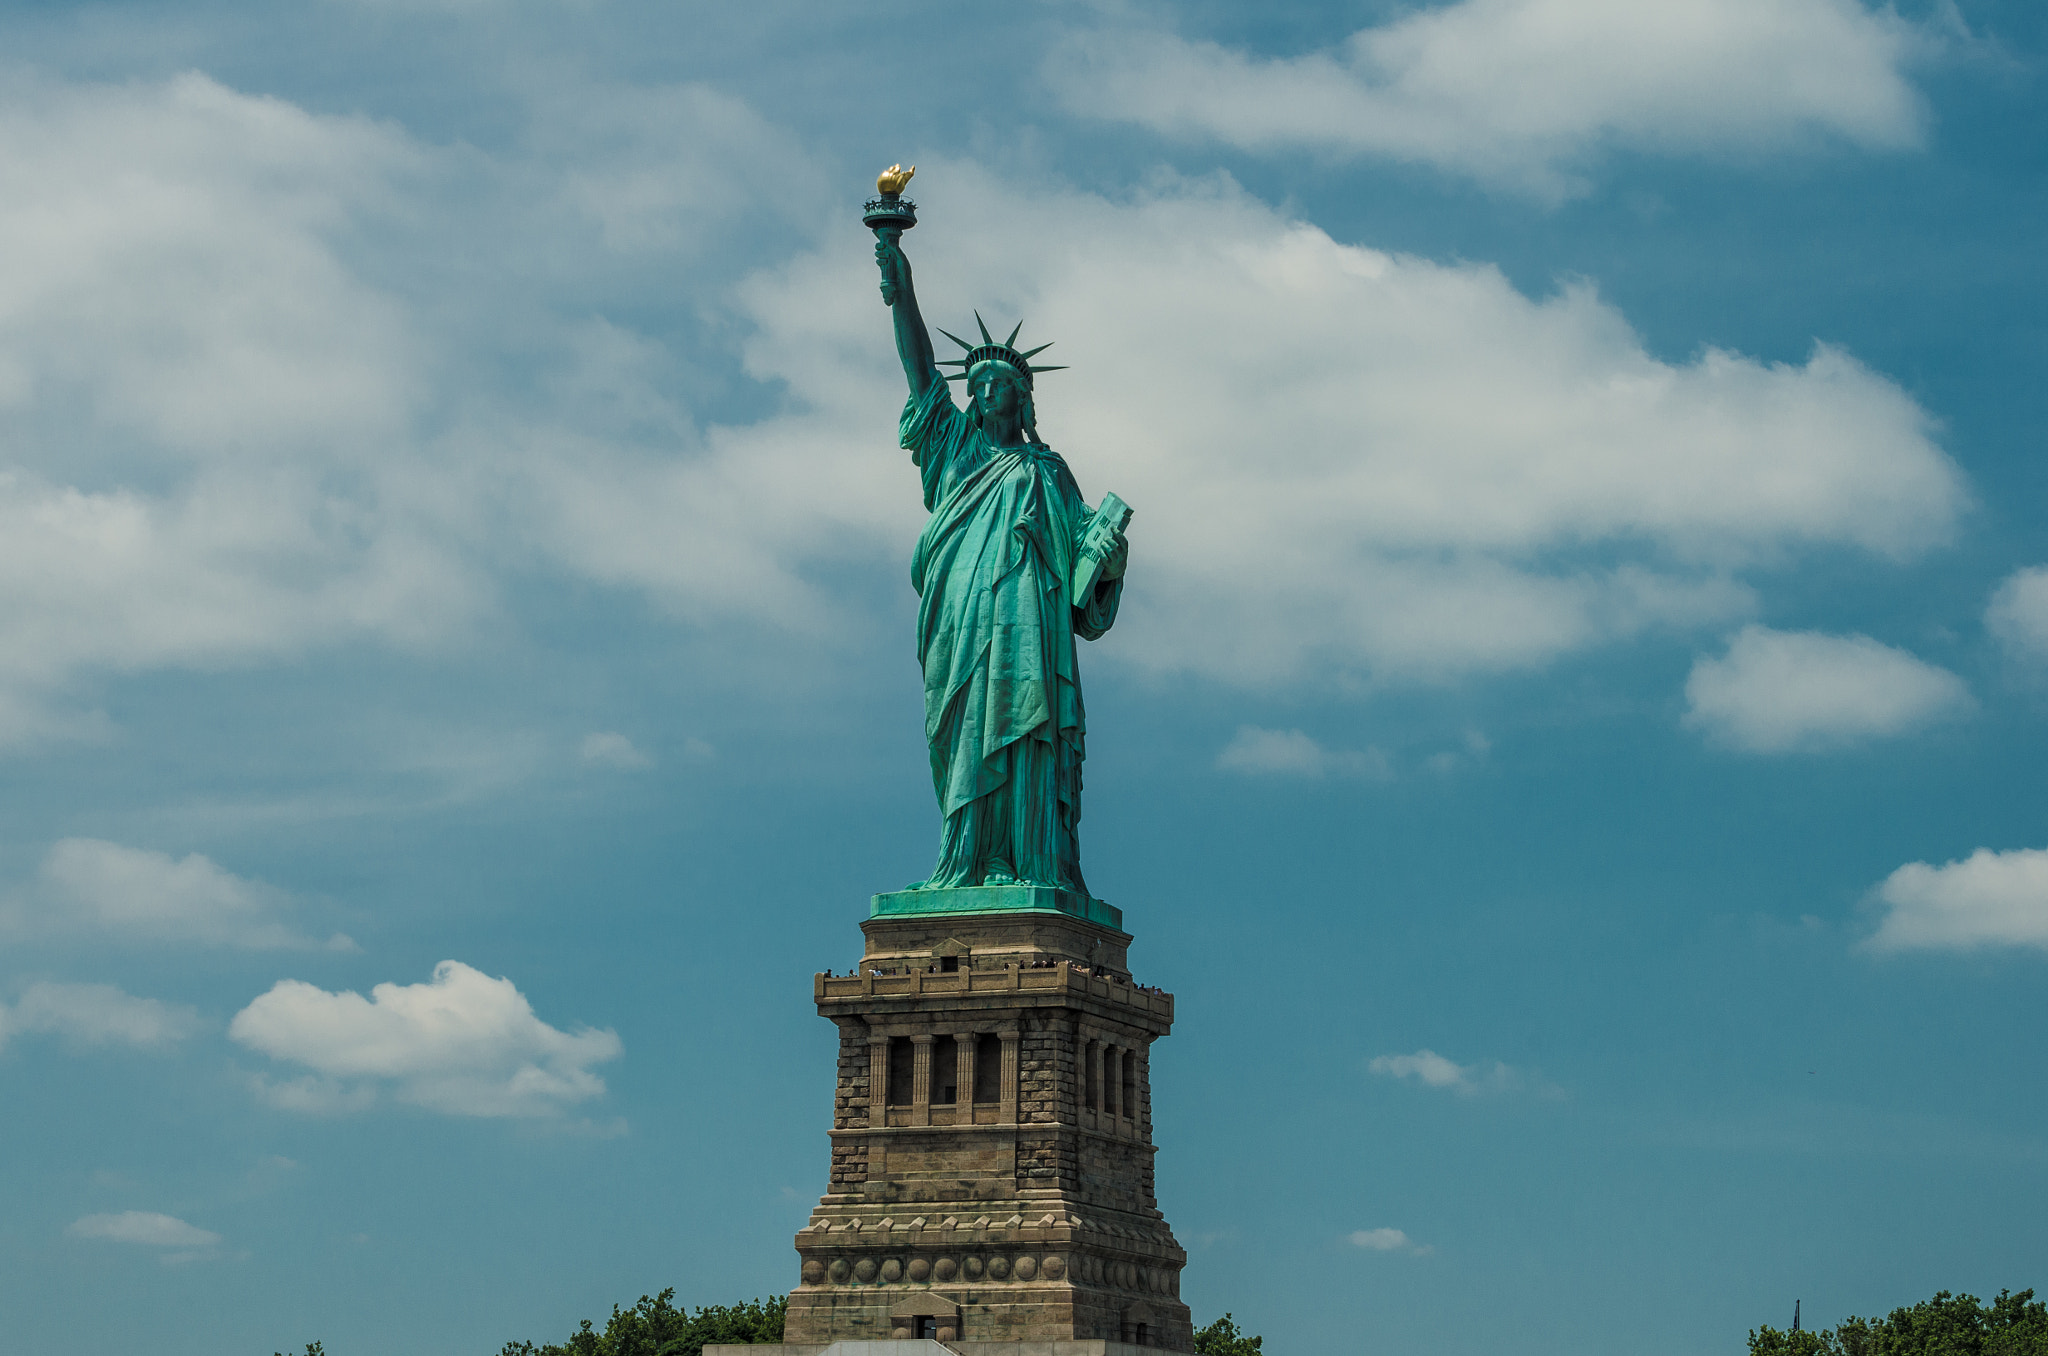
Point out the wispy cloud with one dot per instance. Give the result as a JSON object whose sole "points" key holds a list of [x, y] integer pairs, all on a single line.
{"points": [[607, 748], [148, 1230], [139, 895], [95, 1015], [463, 1044], [1988, 899], [1256, 751], [1388, 1240], [2018, 613], [1432, 1070], [1783, 691], [1526, 94]]}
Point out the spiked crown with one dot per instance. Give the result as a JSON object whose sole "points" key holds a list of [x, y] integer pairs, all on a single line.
{"points": [[988, 350]]}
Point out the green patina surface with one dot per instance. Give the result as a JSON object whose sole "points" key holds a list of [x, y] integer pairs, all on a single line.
{"points": [[996, 899], [1012, 568]]}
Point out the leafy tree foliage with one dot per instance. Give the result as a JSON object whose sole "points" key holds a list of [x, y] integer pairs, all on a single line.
{"points": [[1947, 1325], [656, 1327], [1806, 1342], [1222, 1338]]}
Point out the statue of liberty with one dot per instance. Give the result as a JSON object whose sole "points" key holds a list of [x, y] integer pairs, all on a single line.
{"points": [[1012, 565]]}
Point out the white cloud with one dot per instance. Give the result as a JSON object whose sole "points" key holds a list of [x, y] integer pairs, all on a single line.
{"points": [[1432, 1070], [2018, 613], [225, 445], [138, 895], [194, 390], [1776, 691], [1261, 752], [97, 1014], [141, 1226], [1987, 899], [463, 1044], [1388, 1240], [1525, 93], [606, 748], [238, 422], [1343, 460], [637, 160]]}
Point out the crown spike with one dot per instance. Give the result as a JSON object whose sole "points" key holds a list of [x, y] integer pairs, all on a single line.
{"points": [[985, 338], [1040, 349], [956, 339], [1051, 367], [954, 376], [1012, 340]]}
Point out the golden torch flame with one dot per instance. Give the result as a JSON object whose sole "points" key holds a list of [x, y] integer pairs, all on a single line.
{"points": [[891, 180]]}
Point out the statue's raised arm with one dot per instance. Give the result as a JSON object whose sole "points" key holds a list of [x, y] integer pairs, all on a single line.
{"points": [[913, 340], [889, 216]]}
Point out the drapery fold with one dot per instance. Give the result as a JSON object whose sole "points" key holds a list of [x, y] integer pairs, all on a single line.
{"points": [[995, 639]]}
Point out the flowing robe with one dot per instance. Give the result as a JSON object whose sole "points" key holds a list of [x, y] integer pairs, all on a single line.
{"points": [[995, 638]]}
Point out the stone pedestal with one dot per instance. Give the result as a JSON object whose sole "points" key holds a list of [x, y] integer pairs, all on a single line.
{"points": [[991, 1134]]}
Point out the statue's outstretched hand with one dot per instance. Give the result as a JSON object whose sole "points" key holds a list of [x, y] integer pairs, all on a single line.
{"points": [[895, 270]]}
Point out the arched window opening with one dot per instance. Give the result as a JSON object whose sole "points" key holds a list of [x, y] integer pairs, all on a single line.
{"points": [[945, 1071], [1109, 1079], [1129, 1101]]}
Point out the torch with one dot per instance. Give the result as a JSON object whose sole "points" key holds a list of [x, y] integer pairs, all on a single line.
{"points": [[890, 215]]}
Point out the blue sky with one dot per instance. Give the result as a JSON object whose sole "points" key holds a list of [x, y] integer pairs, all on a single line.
{"points": [[1572, 740]]}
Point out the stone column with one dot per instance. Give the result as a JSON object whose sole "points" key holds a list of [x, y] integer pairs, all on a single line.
{"points": [[1008, 1115], [921, 1079], [878, 1079], [1141, 1115], [964, 1045], [1127, 1091]]}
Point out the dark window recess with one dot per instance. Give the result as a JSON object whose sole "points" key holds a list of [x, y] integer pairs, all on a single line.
{"points": [[1129, 1104], [988, 1068], [1091, 1096], [948, 964], [928, 1327], [945, 1072], [899, 1070]]}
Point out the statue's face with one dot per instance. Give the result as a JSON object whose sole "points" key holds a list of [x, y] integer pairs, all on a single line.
{"points": [[997, 390]]}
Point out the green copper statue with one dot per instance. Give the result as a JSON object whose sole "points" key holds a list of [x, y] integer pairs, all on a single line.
{"points": [[1012, 565]]}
